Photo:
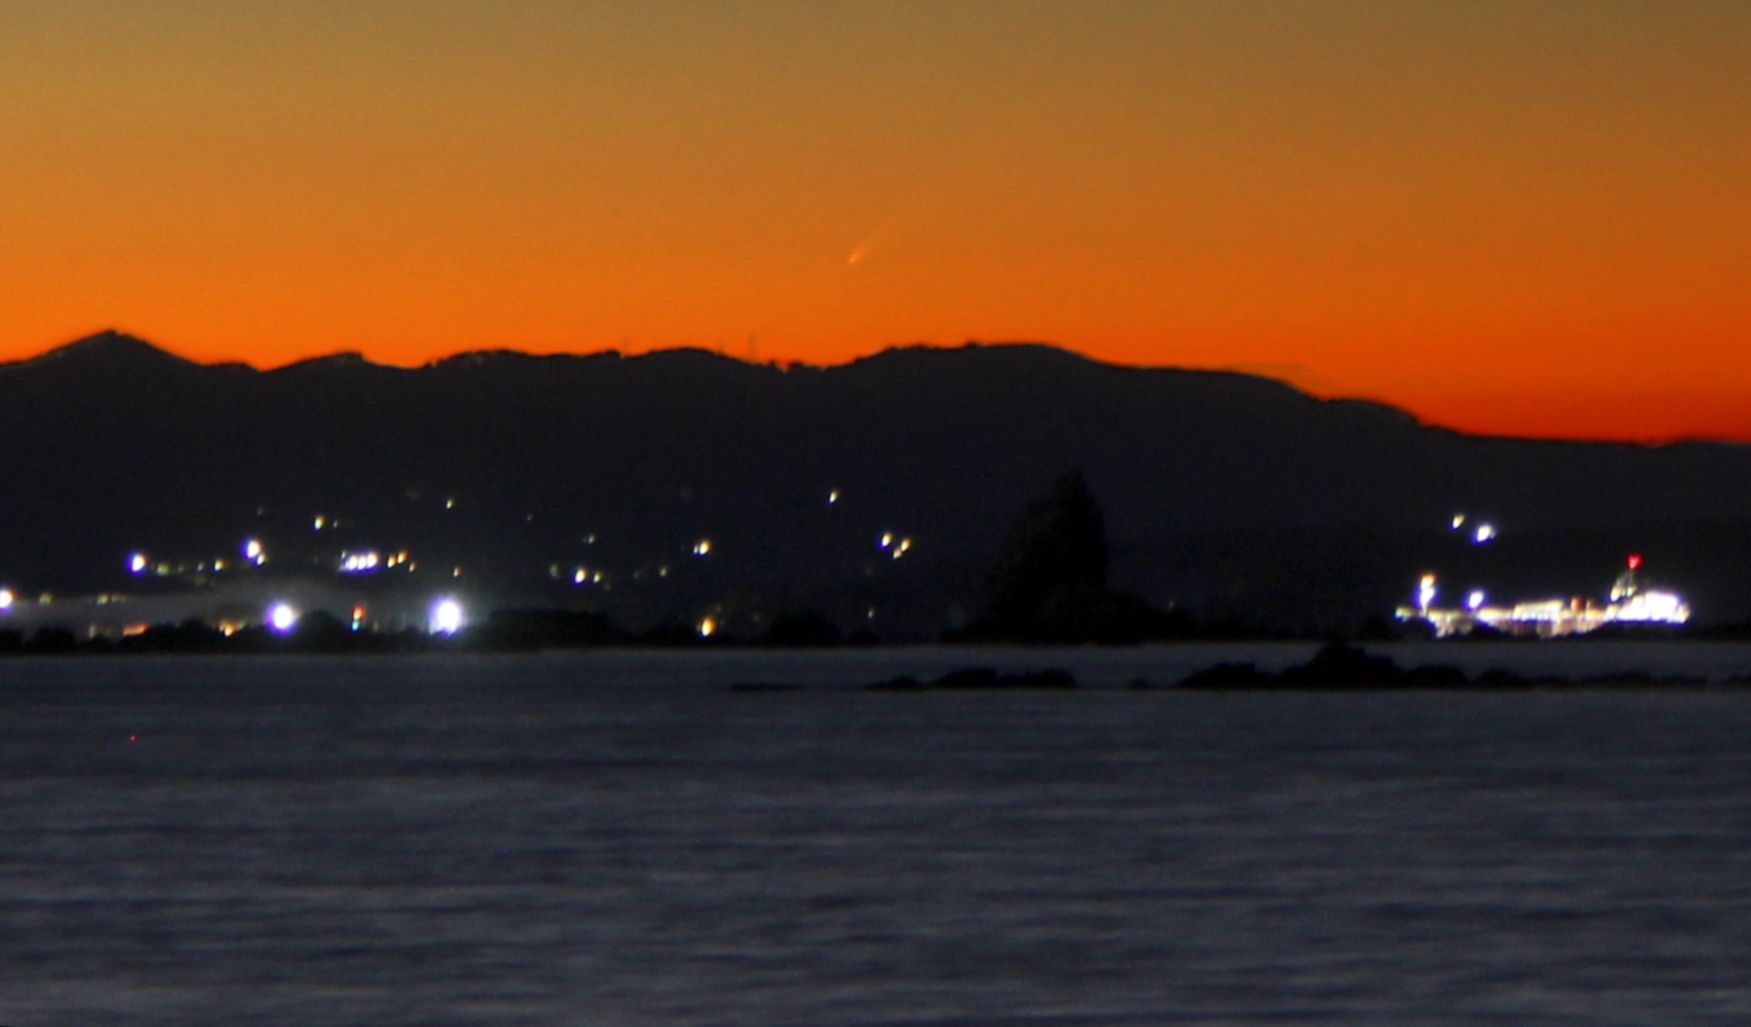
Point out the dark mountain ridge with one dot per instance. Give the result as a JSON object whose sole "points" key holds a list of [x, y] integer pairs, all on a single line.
{"points": [[1223, 493]]}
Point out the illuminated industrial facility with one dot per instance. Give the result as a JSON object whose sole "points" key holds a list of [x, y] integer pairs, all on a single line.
{"points": [[1629, 604]]}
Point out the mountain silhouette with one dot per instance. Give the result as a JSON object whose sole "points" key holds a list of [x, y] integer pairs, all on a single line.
{"points": [[1223, 494]]}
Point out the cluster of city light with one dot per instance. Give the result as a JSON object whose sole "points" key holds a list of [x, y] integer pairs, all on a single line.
{"points": [[1629, 604], [893, 545], [141, 564], [364, 562], [446, 616]]}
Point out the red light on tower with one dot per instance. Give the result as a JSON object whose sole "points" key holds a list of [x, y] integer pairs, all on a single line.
{"points": [[1635, 561]]}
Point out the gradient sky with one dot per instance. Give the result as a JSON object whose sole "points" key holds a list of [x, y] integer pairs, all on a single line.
{"points": [[1527, 217]]}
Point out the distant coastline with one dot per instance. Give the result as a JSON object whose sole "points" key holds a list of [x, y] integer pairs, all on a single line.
{"points": [[1340, 666]]}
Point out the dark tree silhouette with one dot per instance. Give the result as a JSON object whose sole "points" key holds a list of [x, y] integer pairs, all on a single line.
{"points": [[1054, 561]]}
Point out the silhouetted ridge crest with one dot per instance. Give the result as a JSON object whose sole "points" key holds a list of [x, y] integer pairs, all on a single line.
{"points": [[109, 348], [1220, 493]]}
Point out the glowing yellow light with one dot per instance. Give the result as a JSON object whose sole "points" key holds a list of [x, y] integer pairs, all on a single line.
{"points": [[7, 599], [1458, 521], [450, 503], [254, 553], [319, 522], [138, 562], [707, 627], [1484, 533], [455, 572], [886, 540], [832, 497], [702, 547]]}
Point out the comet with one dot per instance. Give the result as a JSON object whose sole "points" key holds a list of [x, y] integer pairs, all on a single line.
{"points": [[862, 250]]}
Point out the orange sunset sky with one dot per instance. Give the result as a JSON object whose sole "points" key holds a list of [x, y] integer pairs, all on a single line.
{"points": [[1510, 217]]}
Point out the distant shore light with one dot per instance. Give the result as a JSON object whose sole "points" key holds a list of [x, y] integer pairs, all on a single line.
{"points": [[6, 599], [282, 618], [138, 562], [1426, 591], [446, 617]]}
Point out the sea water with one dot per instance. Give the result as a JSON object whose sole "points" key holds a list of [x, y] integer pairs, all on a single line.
{"points": [[619, 838]]}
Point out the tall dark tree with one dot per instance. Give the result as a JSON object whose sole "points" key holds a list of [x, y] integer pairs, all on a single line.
{"points": [[1054, 561]]}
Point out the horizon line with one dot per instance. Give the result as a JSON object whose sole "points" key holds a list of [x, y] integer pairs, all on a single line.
{"points": [[1295, 377]]}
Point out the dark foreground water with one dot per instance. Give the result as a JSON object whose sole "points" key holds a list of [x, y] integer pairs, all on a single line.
{"points": [[619, 840]]}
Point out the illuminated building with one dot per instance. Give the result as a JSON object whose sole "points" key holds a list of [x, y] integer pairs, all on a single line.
{"points": [[1628, 603]]}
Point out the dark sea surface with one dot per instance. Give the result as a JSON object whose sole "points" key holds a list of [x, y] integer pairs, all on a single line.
{"points": [[618, 838]]}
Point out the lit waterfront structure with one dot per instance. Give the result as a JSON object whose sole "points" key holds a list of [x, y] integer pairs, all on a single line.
{"points": [[1629, 603]]}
